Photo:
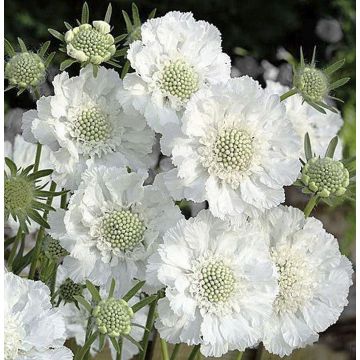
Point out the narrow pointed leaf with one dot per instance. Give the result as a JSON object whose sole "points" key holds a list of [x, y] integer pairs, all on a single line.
{"points": [[41, 206], [313, 57], [125, 69], [22, 45], [120, 38], [148, 300], [85, 13], [336, 99], [317, 107], [131, 339], [66, 63], [135, 15], [152, 14], [133, 291], [93, 291], [56, 34], [83, 302], [108, 14], [11, 165], [115, 344], [326, 106], [101, 342], [27, 170], [9, 87], [95, 70], [44, 48], [121, 52], [302, 61], [20, 92], [40, 174], [8, 48], [34, 215], [112, 288], [49, 59], [334, 67], [68, 26], [338, 83], [331, 147], [307, 147], [114, 64], [127, 22]]}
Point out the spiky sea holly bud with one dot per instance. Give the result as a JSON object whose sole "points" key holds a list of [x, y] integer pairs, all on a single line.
{"points": [[26, 70], [315, 85]]}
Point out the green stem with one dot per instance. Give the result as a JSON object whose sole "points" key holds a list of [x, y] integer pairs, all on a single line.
{"points": [[194, 352], [40, 237], [37, 93], [14, 248], [149, 325], [118, 355], [175, 351], [82, 352], [63, 200], [37, 157], [164, 349], [239, 355], [310, 206], [288, 94]]}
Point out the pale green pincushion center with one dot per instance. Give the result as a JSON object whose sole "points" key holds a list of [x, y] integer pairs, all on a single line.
{"points": [[313, 84], [122, 229], [217, 281], [68, 289], [91, 42], [25, 69], [179, 79], [113, 317], [18, 193], [233, 149], [92, 125]]}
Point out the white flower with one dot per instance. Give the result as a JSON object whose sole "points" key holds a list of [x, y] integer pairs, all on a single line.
{"points": [[112, 225], [33, 329], [237, 152], [176, 57], [76, 318], [220, 284], [83, 124], [314, 280], [22, 154], [305, 119]]}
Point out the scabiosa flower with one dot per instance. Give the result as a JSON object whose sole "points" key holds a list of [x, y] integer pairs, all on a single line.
{"points": [[219, 281], [175, 58], [83, 124], [237, 152], [33, 329], [313, 277], [112, 225], [305, 119]]}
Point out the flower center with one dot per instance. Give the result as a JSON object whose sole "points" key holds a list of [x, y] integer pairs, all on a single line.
{"points": [[68, 289], [18, 193], [295, 286], [92, 126], [325, 176], [12, 337], [122, 230], [113, 317], [25, 69], [313, 84], [179, 79]]}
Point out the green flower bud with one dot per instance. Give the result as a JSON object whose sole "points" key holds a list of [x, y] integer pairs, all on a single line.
{"points": [[52, 248], [68, 289], [18, 194]]}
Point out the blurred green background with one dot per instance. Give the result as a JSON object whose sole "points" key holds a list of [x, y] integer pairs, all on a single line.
{"points": [[258, 35]]}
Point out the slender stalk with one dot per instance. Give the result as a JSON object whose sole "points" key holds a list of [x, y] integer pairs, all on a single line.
{"points": [[118, 355], [149, 325], [194, 352], [310, 205], [37, 157], [40, 237], [175, 351], [288, 94], [164, 349], [53, 278], [239, 355], [83, 351], [37, 93], [14, 248], [87, 335], [63, 200]]}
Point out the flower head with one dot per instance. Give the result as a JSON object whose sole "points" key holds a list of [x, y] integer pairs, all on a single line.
{"points": [[83, 124], [219, 281], [52, 248], [112, 225], [169, 71], [313, 278], [28, 313], [237, 151]]}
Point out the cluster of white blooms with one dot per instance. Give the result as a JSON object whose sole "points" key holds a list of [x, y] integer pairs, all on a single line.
{"points": [[245, 270]]}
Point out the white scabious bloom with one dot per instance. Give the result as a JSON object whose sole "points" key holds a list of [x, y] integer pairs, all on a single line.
{"points": [[237, 152], [314, 280], [175, 58], [220, 284], [76, 318], [84, 124], [112, 225], [22, 154], [305, 119], [33, 329]]}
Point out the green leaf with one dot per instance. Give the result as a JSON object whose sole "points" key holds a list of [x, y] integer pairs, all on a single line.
{"points": [[112, 288], [125, 69], [68, 26], [95, 70], [11, 165], [114, 64], [23, 262], [313, 57], [334, 67], [152, 14], [302, 61], [22, 45], [93, 291], [307, 147], [20, 92], [121, 52], [83, 302], [115, 344], [131, 339], [108, 14], [66, 63], [85, 13], [49, 59], [44, 49], [41, 206], [317, 107], [331, 147], [127, 22], [148, 300], [133, 291], [120, 38], [326, 106], [101, 342], [8, 48], [135, 15], [9, 87], [56, 34], [40, 173], [338, 83], [34, 215]]}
